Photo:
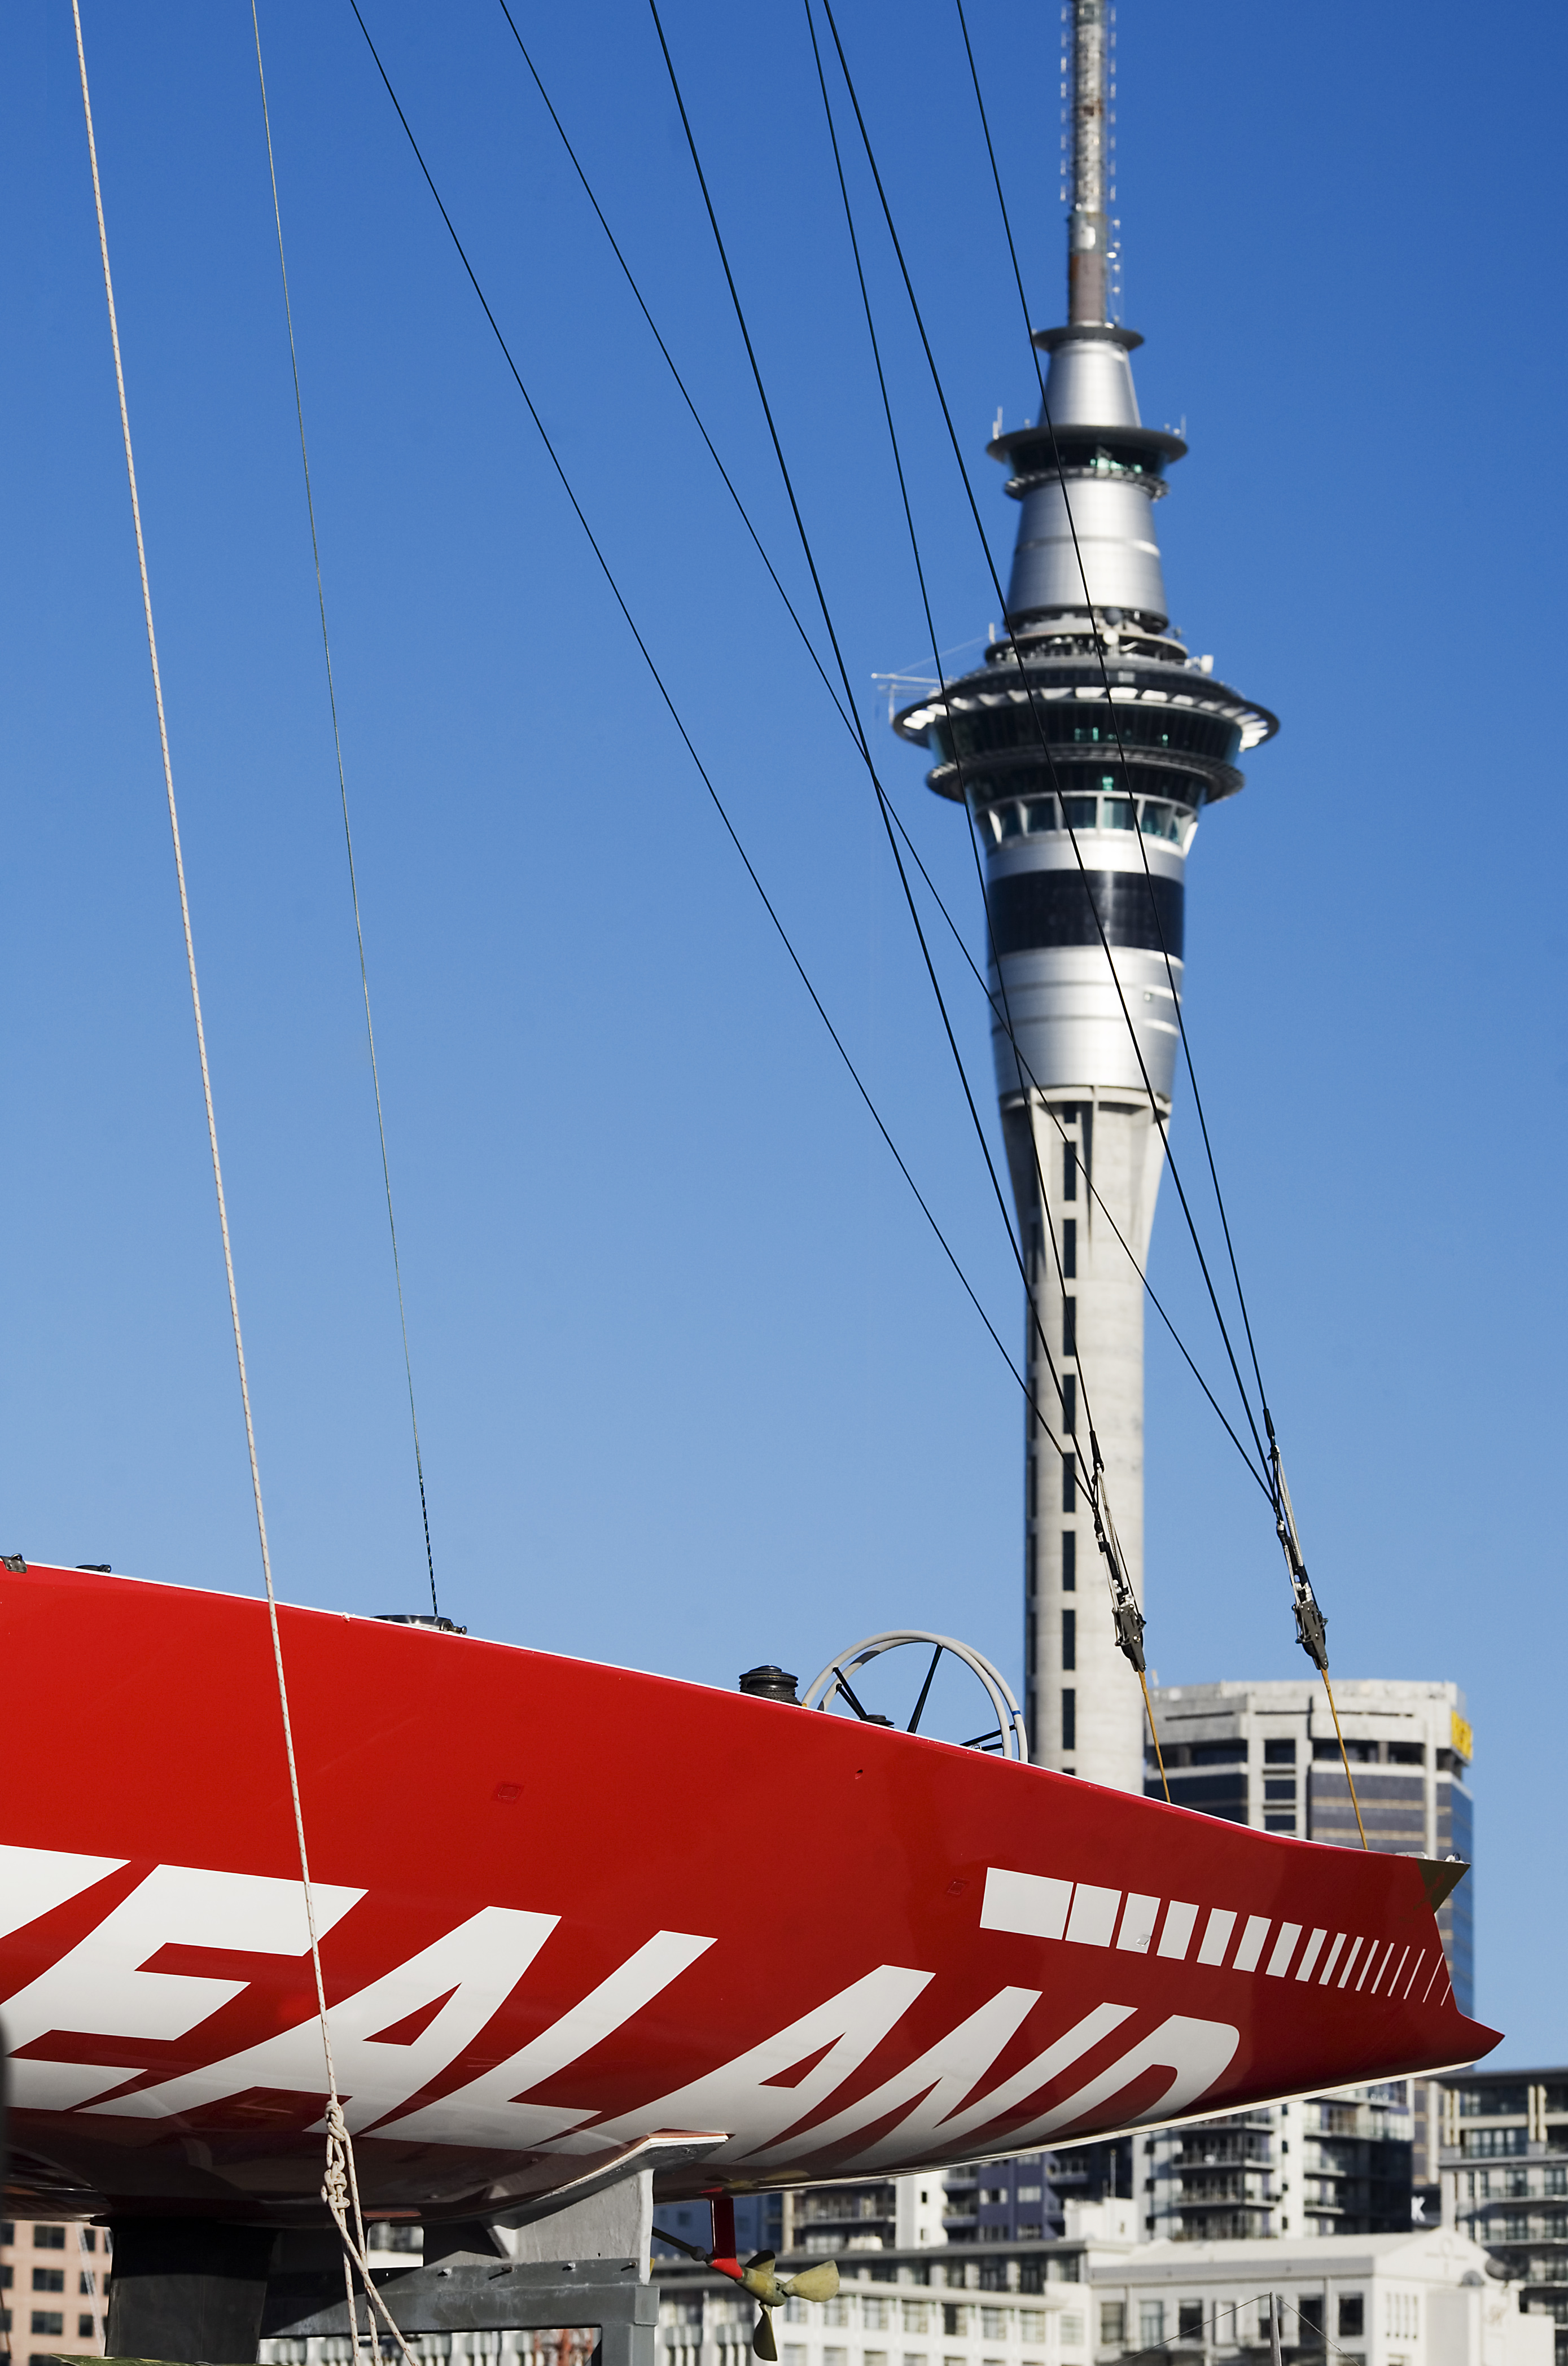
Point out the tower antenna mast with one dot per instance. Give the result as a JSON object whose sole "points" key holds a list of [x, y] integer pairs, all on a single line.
{"points": [[1089, 228]]}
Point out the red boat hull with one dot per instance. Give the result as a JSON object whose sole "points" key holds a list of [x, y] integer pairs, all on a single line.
{"points": [[565, 1907]]}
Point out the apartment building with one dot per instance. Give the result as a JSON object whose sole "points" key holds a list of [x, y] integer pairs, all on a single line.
{"points": [[53, 2285], [1504, 2162], [1318, 2166]]}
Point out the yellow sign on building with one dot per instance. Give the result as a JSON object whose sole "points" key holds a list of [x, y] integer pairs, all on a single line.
{"points": [[1463, 1739]]}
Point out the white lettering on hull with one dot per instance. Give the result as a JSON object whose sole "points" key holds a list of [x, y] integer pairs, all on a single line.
{"points": [[742, 2096], [450, 1991], [474, 1968], [101, 1983], [34, 1881], [487, 2110]]}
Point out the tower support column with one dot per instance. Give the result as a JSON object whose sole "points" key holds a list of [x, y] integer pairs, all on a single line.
{"points": [[1099, 1156]]}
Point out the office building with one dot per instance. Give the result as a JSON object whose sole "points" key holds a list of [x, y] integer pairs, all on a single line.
{"points": [[1267, 1755]]}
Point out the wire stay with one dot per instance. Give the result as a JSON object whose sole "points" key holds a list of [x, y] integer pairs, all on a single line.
{"points": [[342, 796], [703, 774], [997, 1003]]}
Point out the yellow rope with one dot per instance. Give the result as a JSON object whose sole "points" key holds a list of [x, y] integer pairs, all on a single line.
{"points": [[1344, 1757], [1154, 1737]]}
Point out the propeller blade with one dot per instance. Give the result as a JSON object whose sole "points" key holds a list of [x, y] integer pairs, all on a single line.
{"points": [[760, 2259], [814, 2284], [762, 2340]]}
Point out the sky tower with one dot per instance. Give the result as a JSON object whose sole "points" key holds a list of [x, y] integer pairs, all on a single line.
{"points": [[1086, 746]]}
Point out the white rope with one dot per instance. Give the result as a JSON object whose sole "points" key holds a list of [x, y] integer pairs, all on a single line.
{"points": [[340, 2190]]}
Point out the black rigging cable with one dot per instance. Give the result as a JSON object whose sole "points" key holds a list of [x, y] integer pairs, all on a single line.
{"points": [[343, 794], [669, 361], [849, 725], [860, 731], [703, 774]]}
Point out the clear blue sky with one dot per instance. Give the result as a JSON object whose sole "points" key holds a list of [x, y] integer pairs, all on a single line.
{"points": [[696, 1386]]}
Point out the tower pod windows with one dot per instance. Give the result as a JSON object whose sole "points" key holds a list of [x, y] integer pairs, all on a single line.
{"points": [[1034, 816], [1085, 723]]}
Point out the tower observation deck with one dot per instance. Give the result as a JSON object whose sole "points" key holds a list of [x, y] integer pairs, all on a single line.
{"points": [[1092, 702]]}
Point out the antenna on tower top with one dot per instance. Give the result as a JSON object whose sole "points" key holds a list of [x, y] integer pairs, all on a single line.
{"points": [[1089, 27]]}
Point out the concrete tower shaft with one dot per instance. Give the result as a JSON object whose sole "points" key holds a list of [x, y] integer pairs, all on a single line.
{"points": [[1086, 748]]}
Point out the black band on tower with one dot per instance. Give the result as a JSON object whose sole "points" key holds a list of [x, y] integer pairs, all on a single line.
{"points": [[1032, 909]]}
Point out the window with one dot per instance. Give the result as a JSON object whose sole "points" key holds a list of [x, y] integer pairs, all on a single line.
{"points": [[1276, 1788], [1069, 1659], [87, 2282], [1069, 1170], [1311, 2306], [994, 2324], [1069, 1719], [1189, 2320], [1407, 1753], [88, 2237], [1112, 2323], [1029, 2193], [1151, 2323], [917, 2317], [1070, 1400], [49, 2320], [1069, 1482], [1070, 1248], [1352, 2316], [1069, 1326], [954, 2318], [48, 2280], [1491, 2102], [1279, 1754], [52, 2239], [5, 2279], [1117, 813], [1070, 1562], [874, 2316], [1072, 2332], [84, 2328], [993, 2194]]}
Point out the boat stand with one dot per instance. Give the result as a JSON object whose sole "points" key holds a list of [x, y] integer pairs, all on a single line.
{"points": [[585, 2266]]}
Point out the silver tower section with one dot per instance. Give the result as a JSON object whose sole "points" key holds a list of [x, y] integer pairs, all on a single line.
{"points": [[1091, 702]]}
